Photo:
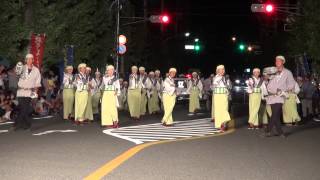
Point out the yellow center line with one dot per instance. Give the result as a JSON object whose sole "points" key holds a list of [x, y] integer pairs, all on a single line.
{"points": [[113, 164]]}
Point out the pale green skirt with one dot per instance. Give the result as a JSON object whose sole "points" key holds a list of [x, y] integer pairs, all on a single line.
{"points": [[68, 102], [81, 99], [134, 98]]}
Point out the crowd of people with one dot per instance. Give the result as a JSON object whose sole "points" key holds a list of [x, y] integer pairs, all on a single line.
{"points": [[47, 101], [277, 97], [274, 97]]}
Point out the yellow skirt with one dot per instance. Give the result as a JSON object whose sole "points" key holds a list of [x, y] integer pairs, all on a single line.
{"points": [[212, 108], [194, 103], [68, 102], [143, 102], [168, 105], [153, 102], [289, 109], [109, 111], [265, 113], [254, 106], [88, 112], [95, 102], [134, 98], [81, 99], [221, 109]]}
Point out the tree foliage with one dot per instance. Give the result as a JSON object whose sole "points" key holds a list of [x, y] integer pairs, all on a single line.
{"points": [[89, 25], [305, 36]]}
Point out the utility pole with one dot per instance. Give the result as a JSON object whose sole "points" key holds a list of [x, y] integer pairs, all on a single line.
{"points": [[117, 38]]}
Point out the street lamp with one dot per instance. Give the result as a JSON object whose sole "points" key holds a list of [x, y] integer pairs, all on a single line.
{"points": [[196, 40], [187, 34], [233, 39]]}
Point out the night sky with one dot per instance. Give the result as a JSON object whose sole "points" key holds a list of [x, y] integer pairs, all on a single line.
{"points": [[214, 23]]}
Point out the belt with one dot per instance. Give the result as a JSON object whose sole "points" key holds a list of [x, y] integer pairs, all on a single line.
{"points": [[26, 89], [68, 87], [256, 90], [220, 90], [109, 88]]}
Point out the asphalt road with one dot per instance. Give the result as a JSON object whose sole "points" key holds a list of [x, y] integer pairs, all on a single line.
{"points": [[80, 150]]}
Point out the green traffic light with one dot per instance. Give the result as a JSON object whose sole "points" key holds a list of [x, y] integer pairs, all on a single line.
{"points": [[241, 47], [197, 48]]}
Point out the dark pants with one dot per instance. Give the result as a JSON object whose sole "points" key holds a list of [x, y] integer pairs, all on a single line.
{"points": [[24, 115], [275, 119]]}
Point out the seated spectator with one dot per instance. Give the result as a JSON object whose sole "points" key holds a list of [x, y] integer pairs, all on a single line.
{"points": [[12, 80], [3, 76], [6, 107], [42, 106]]}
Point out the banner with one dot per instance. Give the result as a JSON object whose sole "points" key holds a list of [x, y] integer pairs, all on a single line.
{"points": [[37, 48]]}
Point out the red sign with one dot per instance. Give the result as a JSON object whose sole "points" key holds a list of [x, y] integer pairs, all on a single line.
{"points": [[37, 48]]}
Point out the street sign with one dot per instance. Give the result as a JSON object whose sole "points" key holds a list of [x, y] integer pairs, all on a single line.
{"points": [[122, 49]]}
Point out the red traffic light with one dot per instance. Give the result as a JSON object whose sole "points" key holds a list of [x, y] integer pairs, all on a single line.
{"points": [[269, 8], [164, 19], [263, 8]]}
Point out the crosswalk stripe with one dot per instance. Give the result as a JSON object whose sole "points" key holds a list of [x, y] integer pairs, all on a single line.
{"points": [[152, 137], [174, 126], [207, 123], [4, 123], [147, 140], [180, 122], [157, 132], [4, 131], [169, 129], [171, 133]]}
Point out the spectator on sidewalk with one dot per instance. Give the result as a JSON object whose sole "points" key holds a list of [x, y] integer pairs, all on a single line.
{"points": [[308, 90], [13, 81]]}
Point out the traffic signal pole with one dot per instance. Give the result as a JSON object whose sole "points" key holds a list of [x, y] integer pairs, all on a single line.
{"points": [[117, 38], [152, 19]]}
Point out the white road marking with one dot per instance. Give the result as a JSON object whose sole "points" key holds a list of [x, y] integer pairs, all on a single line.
{"points": [[4, 123], [54, 131], [4, 131], [156, 132], [43, 117]]}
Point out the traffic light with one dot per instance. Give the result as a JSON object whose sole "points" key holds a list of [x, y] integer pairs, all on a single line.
{"points": [[262, 8], [197, 47], [242, 47], [163, 19], [269, 8]]}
